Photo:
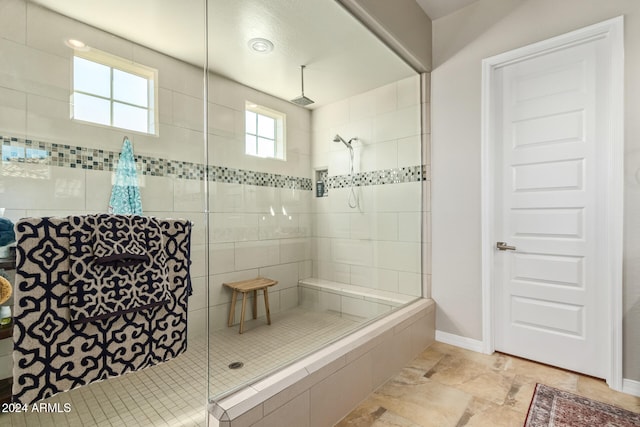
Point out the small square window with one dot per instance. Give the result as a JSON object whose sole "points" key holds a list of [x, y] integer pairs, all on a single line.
{"points": [[111, 91], [264, 132]]}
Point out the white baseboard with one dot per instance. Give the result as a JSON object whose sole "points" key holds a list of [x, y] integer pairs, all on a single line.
{"points": [[630, 387], [458, 341]]}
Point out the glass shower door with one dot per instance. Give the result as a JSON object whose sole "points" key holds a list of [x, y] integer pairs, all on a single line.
{"points": [[76, 80]]}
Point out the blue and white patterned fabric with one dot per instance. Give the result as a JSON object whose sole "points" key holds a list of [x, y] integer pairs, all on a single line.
{"points": [[51, 353], [125, 194], [117, 265]]}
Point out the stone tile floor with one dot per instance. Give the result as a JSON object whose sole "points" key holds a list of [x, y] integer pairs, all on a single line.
{"points": [[449, 386]]}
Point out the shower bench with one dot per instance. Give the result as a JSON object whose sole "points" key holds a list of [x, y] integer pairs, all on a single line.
{"points": [[244, 287]]}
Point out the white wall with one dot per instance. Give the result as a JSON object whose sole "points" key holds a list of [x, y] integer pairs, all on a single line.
{"points": [[378, 244], [461, 40]]}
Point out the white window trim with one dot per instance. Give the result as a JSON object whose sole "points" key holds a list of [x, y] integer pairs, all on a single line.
{"points": [[113, 61], [281, 121]]}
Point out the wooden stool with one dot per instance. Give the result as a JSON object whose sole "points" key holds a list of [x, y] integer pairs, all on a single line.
{"points": [[246, 286]]}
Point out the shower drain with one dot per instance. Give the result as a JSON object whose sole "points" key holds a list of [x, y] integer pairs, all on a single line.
{"points": [[236, 365]]}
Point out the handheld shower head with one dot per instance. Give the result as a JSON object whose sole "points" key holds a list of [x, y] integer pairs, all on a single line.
{"points": [[338, 138], [353, 197]]}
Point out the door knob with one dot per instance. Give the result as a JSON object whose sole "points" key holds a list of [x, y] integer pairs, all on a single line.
{"points": [[504, 247]]}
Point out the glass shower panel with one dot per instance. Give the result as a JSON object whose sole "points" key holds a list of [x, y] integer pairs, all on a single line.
{"points": [[58, 162], [343, 256]]}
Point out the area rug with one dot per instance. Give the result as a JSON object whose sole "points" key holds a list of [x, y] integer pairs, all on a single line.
{"points": [[553, 407]]}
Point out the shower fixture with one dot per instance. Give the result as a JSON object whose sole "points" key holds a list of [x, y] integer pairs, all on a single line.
{"points": [[353, 197], [338, 138], [302, 100]]}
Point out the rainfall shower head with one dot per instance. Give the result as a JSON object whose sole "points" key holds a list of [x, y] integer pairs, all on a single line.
{"points": [[302, 100], [338, 138]]}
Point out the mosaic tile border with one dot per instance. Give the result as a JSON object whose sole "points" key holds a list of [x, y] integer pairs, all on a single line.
{"points": [[380, 177], [51, 154]]}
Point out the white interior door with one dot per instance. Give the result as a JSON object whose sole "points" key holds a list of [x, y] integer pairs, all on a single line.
{"points": [[551, 302]]}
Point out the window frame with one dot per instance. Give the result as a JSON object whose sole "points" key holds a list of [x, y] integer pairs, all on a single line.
{"points": [[117, 63], [280, 151]]}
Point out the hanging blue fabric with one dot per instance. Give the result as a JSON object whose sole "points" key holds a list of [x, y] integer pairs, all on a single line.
{"points": [[125, 194]]}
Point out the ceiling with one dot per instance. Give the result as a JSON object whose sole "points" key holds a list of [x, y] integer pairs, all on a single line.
{"points": [[342, 58], [438, 8]]}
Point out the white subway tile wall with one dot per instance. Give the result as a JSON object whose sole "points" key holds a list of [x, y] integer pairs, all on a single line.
{"points": [[377, 244]]}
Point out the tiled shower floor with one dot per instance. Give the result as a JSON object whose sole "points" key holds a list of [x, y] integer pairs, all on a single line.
{"points": [[174, 393]]}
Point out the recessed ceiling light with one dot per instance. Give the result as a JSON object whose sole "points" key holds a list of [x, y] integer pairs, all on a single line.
{"points": [[75, 44], [260, 45]]}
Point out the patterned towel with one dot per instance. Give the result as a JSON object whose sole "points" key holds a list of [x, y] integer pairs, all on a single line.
{"points": [[117, 265], [120, 240], [52, 355]]}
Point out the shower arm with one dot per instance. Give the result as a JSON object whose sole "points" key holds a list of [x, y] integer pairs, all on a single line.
{"points": [[338, 138]]}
